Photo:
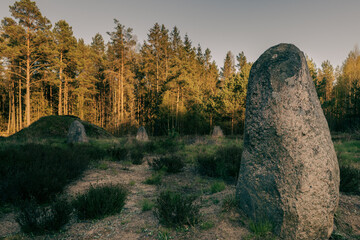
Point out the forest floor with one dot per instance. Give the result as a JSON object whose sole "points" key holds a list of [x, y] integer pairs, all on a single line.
{"points": [[216, 222]]}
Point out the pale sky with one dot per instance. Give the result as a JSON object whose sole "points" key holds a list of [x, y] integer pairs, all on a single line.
{"points": [[323, 29]]}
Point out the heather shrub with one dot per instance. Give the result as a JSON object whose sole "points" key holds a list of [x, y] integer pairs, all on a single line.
{"points": [[174, 209], [40, 171], [100, 201], [172, 163], [225, 163], [37, 219], [349, 179]]}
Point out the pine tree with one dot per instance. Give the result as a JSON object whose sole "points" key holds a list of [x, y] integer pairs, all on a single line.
{"points": [[65, 41], [31, 19]]}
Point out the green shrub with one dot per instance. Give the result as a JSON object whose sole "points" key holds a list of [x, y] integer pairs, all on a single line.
{"points": [[100, 201], [349, 179], [229, 203], [40, 171], [34, 218], [155, 179], [146, 205], [225, 163], [172, 163], [118, 153], [175, 209], [206, 225], [137, 157], [217, 187], [262, 229]]}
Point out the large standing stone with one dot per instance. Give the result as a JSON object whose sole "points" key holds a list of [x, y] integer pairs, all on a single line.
{"points": [[289, 172], [77, 133], [217, 132], [141, 134]]}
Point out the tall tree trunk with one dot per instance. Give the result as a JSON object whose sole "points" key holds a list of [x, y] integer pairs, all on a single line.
{"points": [[51, 102], [66, 96], [60, 112], [177, 107], [9, 117], [20, 105], [122, 89], [27, 99]]}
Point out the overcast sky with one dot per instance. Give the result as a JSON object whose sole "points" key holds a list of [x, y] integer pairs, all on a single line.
{"points": [[323, 29]]}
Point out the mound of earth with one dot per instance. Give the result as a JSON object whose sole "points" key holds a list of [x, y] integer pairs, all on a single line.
{"points": [[58, 126]]}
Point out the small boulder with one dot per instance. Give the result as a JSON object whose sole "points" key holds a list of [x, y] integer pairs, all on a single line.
{"points": [[217, 133], [141, 134], [289, 172], [77, 133]]}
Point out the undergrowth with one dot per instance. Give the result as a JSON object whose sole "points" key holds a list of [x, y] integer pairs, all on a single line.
{"points": [[100, 201], [174, 209]]}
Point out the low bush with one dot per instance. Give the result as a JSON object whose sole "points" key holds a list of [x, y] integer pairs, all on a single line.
{"points": [[100, 201], [218, 186], [137, 157], [171, 164], [262, 229], [349, 179], [37, 219], [40, 171], [207, 225], [175, 209], [225, 163], [155, 179], [229, 203], [146, 205], [118, 153]]}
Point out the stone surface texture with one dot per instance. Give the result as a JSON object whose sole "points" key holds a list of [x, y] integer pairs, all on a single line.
{"points": [[217, 132], [289, 172], [77, 133], [141, 134]]}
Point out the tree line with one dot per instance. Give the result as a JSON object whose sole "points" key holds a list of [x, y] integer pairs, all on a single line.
{"points": [[165, 83]]}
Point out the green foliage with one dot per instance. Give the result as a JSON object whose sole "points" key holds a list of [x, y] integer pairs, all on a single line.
{"points": [[146, 205], [102, 165], [172, 163], [229, 203], [137, 157], [225, 163], [175, 209], [155, 179], [262, 229], [207, 225], [217, 186], [100, 201], [37, 219], [118, 153], [349, 179], [40, 171], [163, 235]]}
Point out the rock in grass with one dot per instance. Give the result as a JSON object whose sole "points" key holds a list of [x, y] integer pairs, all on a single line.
{"points": [[217, 133], [141, 134], [77, 133], [289, 172]]}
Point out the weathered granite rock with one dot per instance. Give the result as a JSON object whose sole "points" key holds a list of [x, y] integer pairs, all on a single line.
{"points": [[141, 134], [289, 172], [77, 133], [217, 132]]}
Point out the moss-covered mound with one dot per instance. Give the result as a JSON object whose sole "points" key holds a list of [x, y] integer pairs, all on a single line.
{"points": [[58, 126]]}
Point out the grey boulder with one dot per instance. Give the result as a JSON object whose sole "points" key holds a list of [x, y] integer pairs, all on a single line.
{"points": [[289, 173], [77, 133]]}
